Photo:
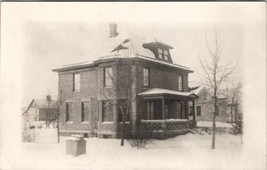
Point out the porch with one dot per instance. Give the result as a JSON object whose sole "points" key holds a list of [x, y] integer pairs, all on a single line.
{"points": [[167, 112]]}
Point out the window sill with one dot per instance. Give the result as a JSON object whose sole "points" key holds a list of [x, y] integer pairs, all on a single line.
{"points": [[69, 122], [108, 87], [85, 122], [127, 122], [107, 122]]}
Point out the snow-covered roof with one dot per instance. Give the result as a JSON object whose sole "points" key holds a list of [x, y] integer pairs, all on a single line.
{"points": [[125, 44], [41, 104], [197, 90], [91, 63], [159, 91], [44, 104]]}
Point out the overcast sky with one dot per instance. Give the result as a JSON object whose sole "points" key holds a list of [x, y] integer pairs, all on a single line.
{"points": [[45, 36]]}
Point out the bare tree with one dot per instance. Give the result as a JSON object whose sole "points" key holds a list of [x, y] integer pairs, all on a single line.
{"points": [[216, 72], [52, 115], [58, 103], [238, 115], [123, 78]]}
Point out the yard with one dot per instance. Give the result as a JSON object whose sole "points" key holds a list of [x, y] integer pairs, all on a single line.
{"points": [[190, 151]]}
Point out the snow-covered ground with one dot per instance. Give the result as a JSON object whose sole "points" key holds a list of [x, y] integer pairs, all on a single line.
{"points": [[209, 124], [182, 152]]}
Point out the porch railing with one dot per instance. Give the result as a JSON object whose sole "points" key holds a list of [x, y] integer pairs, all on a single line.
{"points": [[166, 127]]}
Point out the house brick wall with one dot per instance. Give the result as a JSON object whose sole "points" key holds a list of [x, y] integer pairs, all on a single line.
{"points": [[88, 92], [92, 89], [160, 77]]}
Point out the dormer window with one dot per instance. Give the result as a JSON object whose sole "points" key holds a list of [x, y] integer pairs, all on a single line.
{"points": [[160, 53], [166, 54], [163, 54], [160, 50]]}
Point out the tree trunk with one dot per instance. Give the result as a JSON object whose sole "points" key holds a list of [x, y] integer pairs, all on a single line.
{"points": [[213, 131], [232, 111], [214, 120], [122, 135], [58, 137]]}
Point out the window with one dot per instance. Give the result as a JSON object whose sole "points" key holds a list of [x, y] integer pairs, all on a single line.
{"points": [[166, 54], [122, 104], [180, 83], [107, 113], [199, 110], [107, 76], [85, 111], [146, 77], [69, 112], [150, 110], [191, 111], [76, 82], [166, 111], [160, 53]]}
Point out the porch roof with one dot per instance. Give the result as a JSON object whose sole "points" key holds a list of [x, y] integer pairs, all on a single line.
{"points": [[159, 93]]}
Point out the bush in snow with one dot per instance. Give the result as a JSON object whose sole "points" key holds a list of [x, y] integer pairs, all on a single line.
{"points": [[141, 137], [238, 126], [28, 135]]}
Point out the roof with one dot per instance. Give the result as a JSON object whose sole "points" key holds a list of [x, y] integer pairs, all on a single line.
{"points": [[113, 56], [159, 91], [197, 90], [42, 104], [125, 44]]}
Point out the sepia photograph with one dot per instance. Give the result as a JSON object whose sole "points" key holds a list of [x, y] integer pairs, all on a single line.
{"points": [[133, 85]]}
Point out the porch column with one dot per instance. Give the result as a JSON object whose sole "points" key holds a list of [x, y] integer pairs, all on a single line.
{"points": [[194, 114], [163, 108]]}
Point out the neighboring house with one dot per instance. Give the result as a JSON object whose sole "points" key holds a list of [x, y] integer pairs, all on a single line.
{"points": [[160, 88], [204, 105], [40, 114]]}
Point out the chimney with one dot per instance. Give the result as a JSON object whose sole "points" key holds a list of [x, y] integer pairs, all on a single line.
{"points": [[48, 98], [113, 30]]}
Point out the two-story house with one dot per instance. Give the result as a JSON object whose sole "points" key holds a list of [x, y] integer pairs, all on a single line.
{"points": [[204, 106], [40, 113], [160, 90]]}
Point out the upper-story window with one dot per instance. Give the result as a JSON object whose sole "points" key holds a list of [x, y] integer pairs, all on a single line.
{"points": [[163, 54], [166, 54], [76, 82], [108, 76], [180, 83], [146, 77], [160, 53]]}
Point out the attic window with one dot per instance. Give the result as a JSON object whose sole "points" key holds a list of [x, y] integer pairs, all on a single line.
{"points": [[166, 53], [160, 53], [163, 54]]}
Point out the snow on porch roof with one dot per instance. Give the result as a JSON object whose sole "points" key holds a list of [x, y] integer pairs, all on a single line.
{"points": [[158, 91]]}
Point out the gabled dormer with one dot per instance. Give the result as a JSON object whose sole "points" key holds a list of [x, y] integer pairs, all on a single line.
{"points": [[160, 50]]}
